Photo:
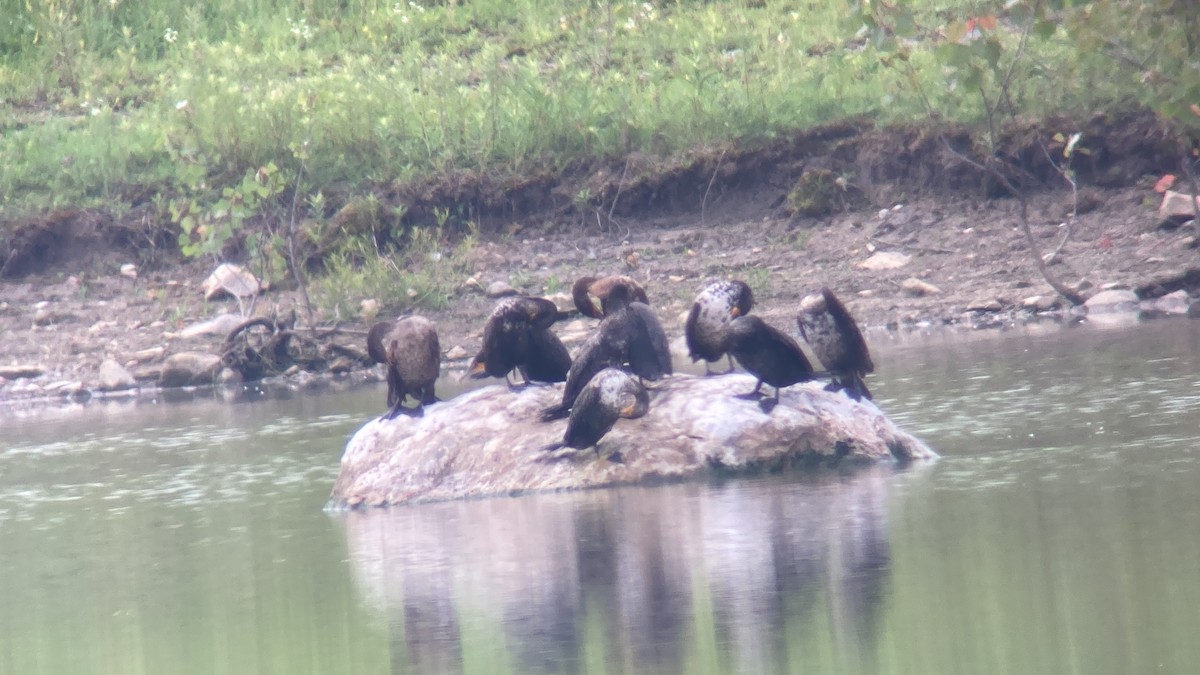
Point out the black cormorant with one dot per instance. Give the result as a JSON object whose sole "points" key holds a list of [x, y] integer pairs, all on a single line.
{"points": [[608, 396], [768, 354], [518, 336], [837, 342], [590, 293], [409, 347], [629, 334], [707, 325]]}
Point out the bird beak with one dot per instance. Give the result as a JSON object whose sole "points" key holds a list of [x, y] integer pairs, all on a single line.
{"points": [[598, 307], [478, 367], [735, 313]]}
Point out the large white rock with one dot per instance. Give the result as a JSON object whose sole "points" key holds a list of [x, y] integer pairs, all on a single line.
{"points": [[114, 377], [489, 442], [1115, 300], [189, 369], [885, 260], [230, 279]]}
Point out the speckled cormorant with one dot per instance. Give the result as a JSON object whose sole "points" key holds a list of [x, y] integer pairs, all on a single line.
{"points": [[630, 334], [518, 336], [768, 354], [590, 293], [409, 347], [610, 394], [837, 342], [707, 325]]}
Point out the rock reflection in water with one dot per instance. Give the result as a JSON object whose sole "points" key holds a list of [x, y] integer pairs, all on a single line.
{"points": [[641, 579]]}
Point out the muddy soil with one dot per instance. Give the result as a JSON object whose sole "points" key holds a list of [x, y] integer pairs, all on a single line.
{"points": [[63, 320]]}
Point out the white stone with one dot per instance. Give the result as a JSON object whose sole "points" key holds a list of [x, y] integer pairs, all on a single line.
{"points": [[1176, 206], [917, 287], [490, 442], [114, 377], [500, 289], [1115, 300], [885, 260], [1177, 302], [985, 303], [189, 368], [230, 279], [218, 325]]}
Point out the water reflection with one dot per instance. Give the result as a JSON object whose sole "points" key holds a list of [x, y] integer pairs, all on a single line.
{"points": [[638, 579]]}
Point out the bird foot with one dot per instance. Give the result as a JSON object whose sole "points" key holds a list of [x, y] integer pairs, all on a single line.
{"points": [[768, 404], [750, 396]]}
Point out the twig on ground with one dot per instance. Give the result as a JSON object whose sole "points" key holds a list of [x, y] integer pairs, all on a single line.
{"points": [[711, 180], [910, 247], [620, 186]]}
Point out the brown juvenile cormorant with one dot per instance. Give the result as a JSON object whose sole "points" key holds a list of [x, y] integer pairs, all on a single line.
{"points": [[768, 354], [590, 293], [518, 336], [629, 334], [409, 347], [610, 394], [837, 342], [707, 325]]}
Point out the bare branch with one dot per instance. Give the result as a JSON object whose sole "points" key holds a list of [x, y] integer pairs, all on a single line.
{"points": [[704, 201]]}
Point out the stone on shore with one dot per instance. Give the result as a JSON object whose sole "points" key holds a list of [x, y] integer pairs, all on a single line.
{"points": [[1114, 300], [489, 442], [884, 260], [17, 371], [1176, 207], [114, 377], [189, 369], [229, 279]]}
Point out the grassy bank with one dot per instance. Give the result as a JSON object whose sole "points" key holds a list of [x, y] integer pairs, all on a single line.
{"points": [[249, 126], [107, 102]]}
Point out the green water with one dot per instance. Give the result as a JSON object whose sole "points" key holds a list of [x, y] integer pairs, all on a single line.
{"points": [[1059, 533]]}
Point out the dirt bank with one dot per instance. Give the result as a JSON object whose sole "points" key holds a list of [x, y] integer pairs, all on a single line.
{"points": [[65, 318]]}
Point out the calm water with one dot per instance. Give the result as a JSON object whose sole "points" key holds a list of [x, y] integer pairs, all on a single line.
{"points": [[1060, 533]]}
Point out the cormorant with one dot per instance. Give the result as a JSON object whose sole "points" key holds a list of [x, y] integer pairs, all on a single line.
{"points": [[409, 347], [610, 394], [589, 293], [768, 354], [629, 334], [518, 336], [707, 325], [837, 342]]}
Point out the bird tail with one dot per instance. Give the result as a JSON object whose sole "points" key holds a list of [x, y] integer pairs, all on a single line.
{"points": [[556, 412], [858, 388]]}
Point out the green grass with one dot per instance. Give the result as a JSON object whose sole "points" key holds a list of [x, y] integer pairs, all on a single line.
{"points": [[104, 100], [228, 119], [428, 275]]}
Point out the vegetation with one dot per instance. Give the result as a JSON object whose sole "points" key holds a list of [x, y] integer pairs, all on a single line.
{"points": [[249, 128]]}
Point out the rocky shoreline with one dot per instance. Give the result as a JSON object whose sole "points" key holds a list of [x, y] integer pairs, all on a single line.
{"points": [[962, 265]]}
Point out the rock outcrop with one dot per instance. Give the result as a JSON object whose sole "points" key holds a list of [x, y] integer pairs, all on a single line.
{"points": [[488, 442]]}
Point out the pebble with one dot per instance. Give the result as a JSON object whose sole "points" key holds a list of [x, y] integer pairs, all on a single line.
{"points": [[500, 289]]}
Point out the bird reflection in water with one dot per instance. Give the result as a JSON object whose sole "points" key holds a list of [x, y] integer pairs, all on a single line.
{"points": [[644, 579]]}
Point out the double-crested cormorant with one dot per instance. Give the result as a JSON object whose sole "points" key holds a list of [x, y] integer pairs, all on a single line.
{"points": [[610, 394], [518, 336], [707, 325], [409, 347], [630, 334], [836, 341], [590, 293], [768, 354]]}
